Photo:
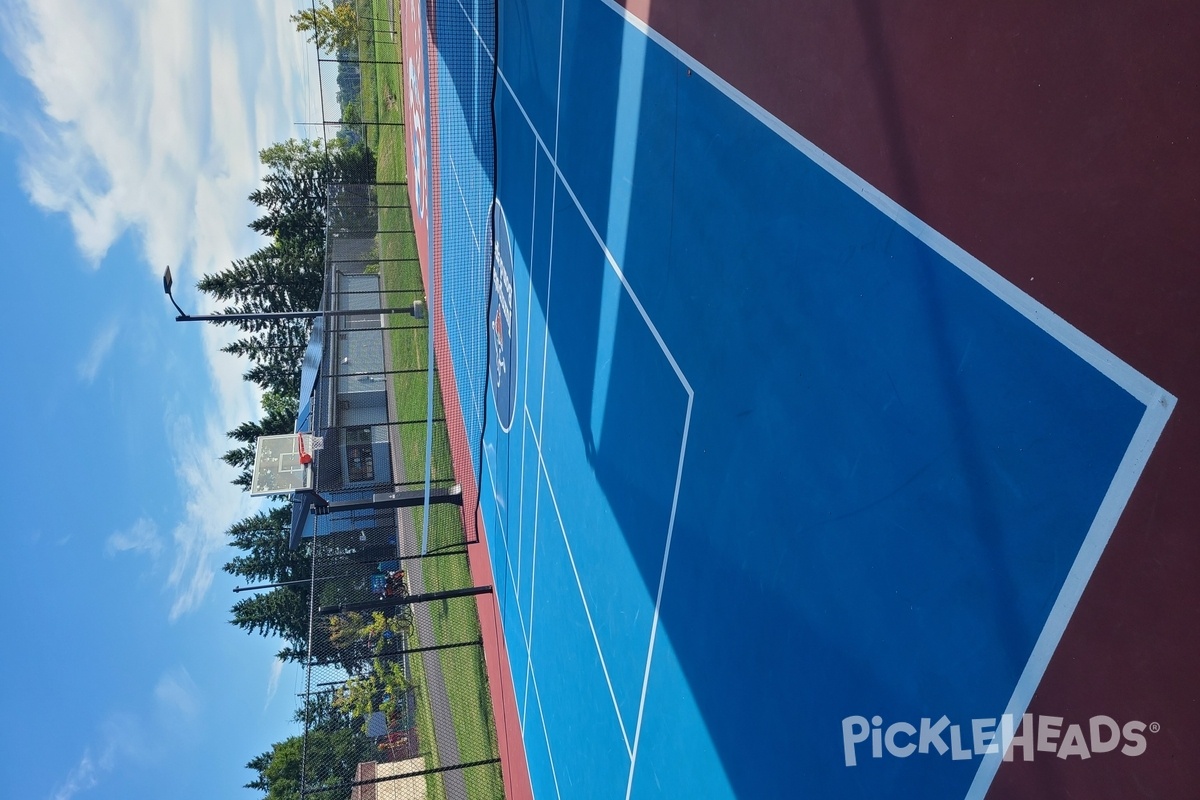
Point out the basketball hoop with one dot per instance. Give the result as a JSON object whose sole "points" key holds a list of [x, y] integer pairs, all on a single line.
{"points": [[305, 456]]}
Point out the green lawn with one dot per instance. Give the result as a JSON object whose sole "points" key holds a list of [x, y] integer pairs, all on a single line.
{"points": [[428, 744]]}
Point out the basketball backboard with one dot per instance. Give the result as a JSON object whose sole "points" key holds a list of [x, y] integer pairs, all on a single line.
{"points": [[282, 464]]}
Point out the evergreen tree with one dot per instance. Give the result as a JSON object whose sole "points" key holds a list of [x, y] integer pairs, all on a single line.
{"points": [[281, 612], [288, 273], [263, 538], [283, 276], [265, 556]]}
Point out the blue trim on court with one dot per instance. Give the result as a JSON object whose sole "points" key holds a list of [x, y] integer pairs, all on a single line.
{"points": [[874, 473]]}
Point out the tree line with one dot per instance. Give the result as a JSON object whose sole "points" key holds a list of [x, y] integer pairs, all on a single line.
{"points": [[287, 273]]}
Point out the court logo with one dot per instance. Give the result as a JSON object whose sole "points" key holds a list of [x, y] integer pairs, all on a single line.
{"points": [[502, 329], [1033, 734], [419, 145]]}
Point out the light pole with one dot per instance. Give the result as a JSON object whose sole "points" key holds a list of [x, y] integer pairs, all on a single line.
{"points": [[282, 584], [321, 506], [416, 309]]}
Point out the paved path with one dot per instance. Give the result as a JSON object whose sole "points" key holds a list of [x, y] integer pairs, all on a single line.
{"points": [[448, 752]]}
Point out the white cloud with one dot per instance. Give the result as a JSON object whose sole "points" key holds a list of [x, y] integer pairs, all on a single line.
{"points": [[121, 735], [273, 681], [150, 121], [177, 697], [145, 105], [213, 504], [142, 537], [116, 736], [82, 777], [98, 351], [145, 737]]}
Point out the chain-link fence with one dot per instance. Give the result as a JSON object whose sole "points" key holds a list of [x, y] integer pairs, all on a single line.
{"points": [[463, 146], [380, 415], [397, 701]]}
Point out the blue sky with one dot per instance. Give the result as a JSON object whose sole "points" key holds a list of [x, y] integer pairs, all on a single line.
{"points": [[129, 133]]}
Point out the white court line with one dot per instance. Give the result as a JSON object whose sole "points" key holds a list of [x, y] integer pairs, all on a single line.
{"points": [[526, 630], [462, 196], [516, 594], [531, 678], [525, 383], [537, 437], [537, 496], [537, 696], [501, 502], [537, 492], [588, 221], [1159, 403], [683, 446], [1105, 362], [458, 327], [531, 675], [499, 521], [583, 598], [662, 582], [528, 681], [561, 178], [532, 575], [1132, 463]]}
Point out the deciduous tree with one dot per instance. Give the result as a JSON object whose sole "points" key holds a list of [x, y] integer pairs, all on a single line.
{"points": [[330, 28]]}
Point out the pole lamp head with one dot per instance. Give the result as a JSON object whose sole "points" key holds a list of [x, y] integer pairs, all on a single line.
{"points": [[168, 282]]}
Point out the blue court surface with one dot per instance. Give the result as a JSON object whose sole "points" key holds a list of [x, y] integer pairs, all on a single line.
{"points": [[763, 453]]}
